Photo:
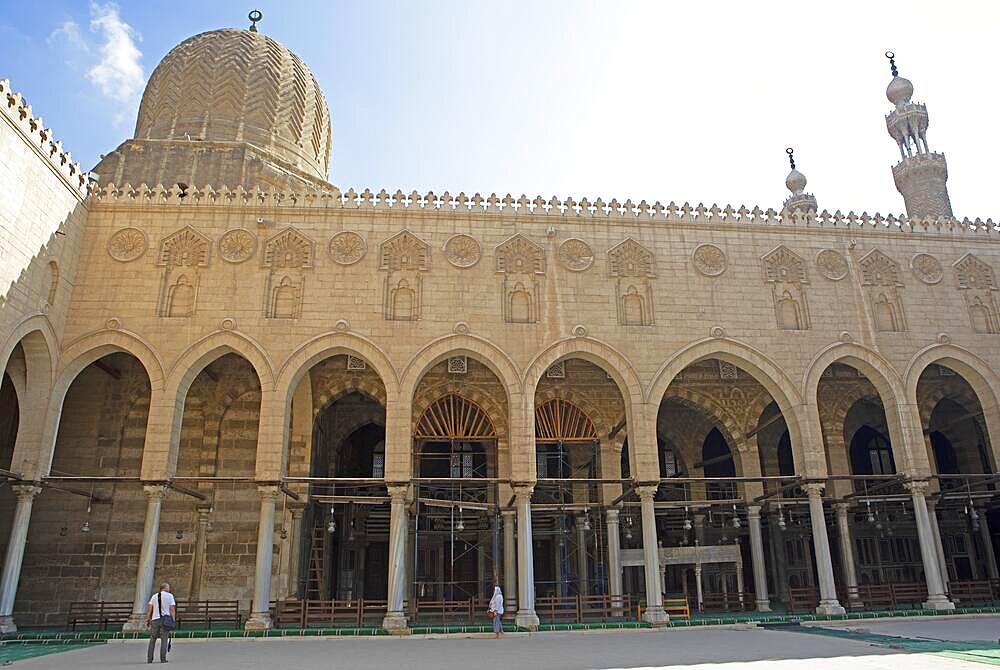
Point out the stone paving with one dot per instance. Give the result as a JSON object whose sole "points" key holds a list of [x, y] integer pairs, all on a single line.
{"points": [[691, 649]]}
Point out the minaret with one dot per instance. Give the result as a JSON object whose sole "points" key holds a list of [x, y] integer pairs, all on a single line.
{"points": [[796, 183], [921, 176]]}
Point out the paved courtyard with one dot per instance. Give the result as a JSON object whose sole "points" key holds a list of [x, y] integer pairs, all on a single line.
{"points": [[634, 650]]}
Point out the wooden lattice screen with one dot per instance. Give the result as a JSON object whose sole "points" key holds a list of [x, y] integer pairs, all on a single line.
{"points": [[561, 421], [452, 417]]}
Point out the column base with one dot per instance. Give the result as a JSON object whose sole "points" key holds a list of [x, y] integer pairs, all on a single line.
{"points": [[136, 623], [830, 608], [395, 623], [259, 621], [526, 619], [939, 602], [764, 605], [656, 616], [7, 624]]}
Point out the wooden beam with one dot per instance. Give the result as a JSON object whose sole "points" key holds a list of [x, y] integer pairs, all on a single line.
{"points": [[112, 372]]}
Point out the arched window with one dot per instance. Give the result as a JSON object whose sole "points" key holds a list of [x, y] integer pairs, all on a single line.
{"points": [[451, 432], [561, 430], [871, 453], [717, 461]]}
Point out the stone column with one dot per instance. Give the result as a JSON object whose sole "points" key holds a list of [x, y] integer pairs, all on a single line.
{"points": [[614, 558], [988, 554], [295, 560], [654, 612], [395, 617], [939, 546], [198, 560], [828, 603], [757, 558], [509, 563], [260, 612], [15, 554], [847, 554], [697, 584], [147, 556], [936, 597], [526, 616], [582, 562]]}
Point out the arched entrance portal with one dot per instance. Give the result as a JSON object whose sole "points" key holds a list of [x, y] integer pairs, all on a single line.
{"points": [[456, 526], [569, 538]]}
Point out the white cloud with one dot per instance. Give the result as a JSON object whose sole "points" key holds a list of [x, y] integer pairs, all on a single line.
{"points": [[119, 73], [69, 34]]}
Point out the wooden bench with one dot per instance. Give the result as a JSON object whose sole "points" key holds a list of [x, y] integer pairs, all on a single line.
{"points": [[557, 609], [803, 598], [912, 594], [295, 613], [100, 613], [971, 591], [604, 607], [676, 608], [447, 611], [208, 612], [727, 602]]}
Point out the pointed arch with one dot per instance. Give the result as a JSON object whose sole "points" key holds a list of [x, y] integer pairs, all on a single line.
{"points": [[559, 420], [215, 345], [454, 417]]}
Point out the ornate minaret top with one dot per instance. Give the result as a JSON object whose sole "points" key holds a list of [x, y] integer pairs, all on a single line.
{"points": [[921, 176], [796, 183]]}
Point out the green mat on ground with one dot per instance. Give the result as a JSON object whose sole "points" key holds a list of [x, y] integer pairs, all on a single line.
{"points": [[18, 650]]}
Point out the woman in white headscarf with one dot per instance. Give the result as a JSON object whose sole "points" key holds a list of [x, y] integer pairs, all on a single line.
{"points": [[496, 611]]}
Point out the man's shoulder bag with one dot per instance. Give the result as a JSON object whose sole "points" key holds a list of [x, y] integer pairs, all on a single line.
{"points": [[166, 621]]}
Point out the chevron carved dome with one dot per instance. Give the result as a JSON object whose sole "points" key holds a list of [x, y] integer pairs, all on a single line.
{"points": [[239, 86]]}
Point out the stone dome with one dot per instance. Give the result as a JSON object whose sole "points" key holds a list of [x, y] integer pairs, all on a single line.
{"points": [[239, 86], [899, 91]]}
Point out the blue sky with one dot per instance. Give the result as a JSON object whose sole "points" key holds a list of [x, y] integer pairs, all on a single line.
{"points": [[656, 100]]}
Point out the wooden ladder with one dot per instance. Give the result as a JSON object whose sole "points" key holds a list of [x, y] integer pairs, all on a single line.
{"points": [[316, 582]]}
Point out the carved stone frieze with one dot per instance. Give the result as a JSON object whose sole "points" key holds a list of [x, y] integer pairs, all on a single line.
{"points": [[927, 268], [709, 260], [576, 255], [462, 251], [347, 247], [237, 245], [127, 244], [832, 264]]}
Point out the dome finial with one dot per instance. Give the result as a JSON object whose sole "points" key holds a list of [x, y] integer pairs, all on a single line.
{"points": [[791, 156], [254, 16], [795, 181], [892, 63]]}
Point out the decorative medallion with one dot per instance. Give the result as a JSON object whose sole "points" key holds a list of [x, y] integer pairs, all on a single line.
{"points": [[831, 264], [114, 323], [926, 268], [237, 245], [579, 331], [709, 260], [462, 251], [846, 337], [127, 244], [342, 325], [717, 331], [347, 248], [576, 255], [228, 324], [462, 328]]}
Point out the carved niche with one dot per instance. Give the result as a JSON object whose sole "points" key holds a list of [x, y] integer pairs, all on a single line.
{"points": [[978, 285], [880, 278], [633, 268], [288, 256], [786, 273], [182, 256], [521, 262], [404, 258]]}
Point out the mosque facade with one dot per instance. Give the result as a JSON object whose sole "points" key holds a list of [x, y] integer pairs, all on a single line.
{"points": [[225, 372]]}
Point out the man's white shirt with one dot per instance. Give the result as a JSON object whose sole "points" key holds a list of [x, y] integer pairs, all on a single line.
{"points": [[168, 600]]}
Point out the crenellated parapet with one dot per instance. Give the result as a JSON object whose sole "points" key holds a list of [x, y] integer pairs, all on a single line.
{"points": [[262, 201], [19, 113]]}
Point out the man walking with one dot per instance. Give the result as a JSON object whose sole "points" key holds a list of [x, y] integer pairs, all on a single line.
{"points": [[162, 603]]}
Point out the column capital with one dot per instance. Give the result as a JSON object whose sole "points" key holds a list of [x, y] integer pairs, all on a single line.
{"points": [[397, 491], [509, 513], [814, 489], [297, 510], [842, 507], [522, 489], [154, 491], [917, 488], [204, 511], [612, 514], [647, 491], [25, 492], [753, 511], [268, 491]]}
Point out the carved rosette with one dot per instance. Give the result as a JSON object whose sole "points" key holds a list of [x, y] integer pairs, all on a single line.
{"points": [[576, 255], [237, 245], [831, 264], [927, 268], [347, 248], [127, 244], [462, 251], [709, 260]]}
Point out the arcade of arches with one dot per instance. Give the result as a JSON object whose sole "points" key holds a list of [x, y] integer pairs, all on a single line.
{"points": [[731, 520]]}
